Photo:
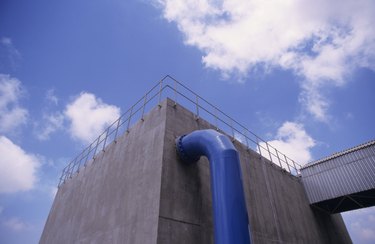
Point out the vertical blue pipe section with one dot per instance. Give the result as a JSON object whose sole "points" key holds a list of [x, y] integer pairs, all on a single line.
{"points": [[230, 215]]}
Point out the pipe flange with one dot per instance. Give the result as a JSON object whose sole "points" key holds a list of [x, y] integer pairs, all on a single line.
{"points": [[185, 157]]}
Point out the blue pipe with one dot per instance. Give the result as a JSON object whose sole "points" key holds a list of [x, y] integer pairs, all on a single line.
{"points": [[230, 216]]}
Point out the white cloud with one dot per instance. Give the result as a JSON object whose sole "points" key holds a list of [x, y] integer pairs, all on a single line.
{"points": [[17, 168], [15, 224], [89, 116], [51, 97], [368, 233], [360, 224], [321, 41], [50, 123], [293, 141], [9, 52], [6, 41], [315, 103], [12, 114]]}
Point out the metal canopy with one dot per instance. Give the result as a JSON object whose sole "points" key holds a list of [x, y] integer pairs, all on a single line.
{"points": [[342, 182]]}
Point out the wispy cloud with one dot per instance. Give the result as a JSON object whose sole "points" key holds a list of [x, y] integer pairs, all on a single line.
{"points": [[360, 224], [293, 141], [89, 116], [9, 54], [50, 123], [15, 224], [51, 97], [12, 114], [52, 120], [17, 167], [320, 41]]}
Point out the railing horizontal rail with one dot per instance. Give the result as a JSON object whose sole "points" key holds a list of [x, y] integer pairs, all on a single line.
{"points": [[267, 148], [201, 106]]}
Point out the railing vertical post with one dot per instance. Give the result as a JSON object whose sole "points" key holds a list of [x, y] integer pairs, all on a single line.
{"points": [[130, 116], [269, 152], [231, 126], [71, 165], [80, 161], [77, 164], [96, 147], [71, 168], [216, 121], [295, 167], [259, 148], [160, 90], [87, 156], [286, 161], [175, 92], [277, 155], [105, 139], [117, 127], [247, 141], [143, 108], [197, 107], [66, 172], [62, 180]]}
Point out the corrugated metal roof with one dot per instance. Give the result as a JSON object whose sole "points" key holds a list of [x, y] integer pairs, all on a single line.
{"points": [[341, 175], [338, 154]]}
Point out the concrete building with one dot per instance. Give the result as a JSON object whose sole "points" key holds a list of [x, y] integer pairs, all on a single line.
{"points": [[136, 190]]}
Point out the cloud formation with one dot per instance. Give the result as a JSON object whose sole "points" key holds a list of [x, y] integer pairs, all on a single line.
{"points": [[51, 97], [50, 123], [89, 116], [361, 224], [15, 224], [51, 120], [9, 53], [320, 41], [12, 114], [17, 167], [293, 141]]}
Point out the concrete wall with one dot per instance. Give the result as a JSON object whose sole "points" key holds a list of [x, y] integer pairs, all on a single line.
{"points": [[138, 191], [115, 199]]}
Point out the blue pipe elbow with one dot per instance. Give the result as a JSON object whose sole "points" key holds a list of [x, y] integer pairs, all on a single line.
{"points": [[230, 215]]}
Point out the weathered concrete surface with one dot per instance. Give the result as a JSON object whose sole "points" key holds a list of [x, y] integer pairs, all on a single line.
{"points": [[138, 191], [115, 199]]}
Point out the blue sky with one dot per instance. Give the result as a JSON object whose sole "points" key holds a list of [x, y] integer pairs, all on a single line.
{"points": [[297, 73]]}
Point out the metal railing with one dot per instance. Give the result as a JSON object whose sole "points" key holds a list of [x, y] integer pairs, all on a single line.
{"points": [[172, 88]]}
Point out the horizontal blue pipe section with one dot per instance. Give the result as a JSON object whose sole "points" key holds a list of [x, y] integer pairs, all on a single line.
{"points": [[230, 215]]}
